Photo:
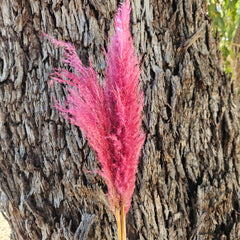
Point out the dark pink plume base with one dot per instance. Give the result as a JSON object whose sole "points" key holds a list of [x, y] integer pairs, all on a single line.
{"points": [[108, 115]]}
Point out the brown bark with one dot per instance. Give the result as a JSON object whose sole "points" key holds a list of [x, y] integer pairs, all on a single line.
{"points": [[188, 181]]}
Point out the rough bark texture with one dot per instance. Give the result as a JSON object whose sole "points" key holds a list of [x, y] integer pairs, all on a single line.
{"points": [[189, 175]]}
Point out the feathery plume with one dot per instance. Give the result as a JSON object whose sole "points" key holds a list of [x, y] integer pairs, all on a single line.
{"points": [[108, 115]]}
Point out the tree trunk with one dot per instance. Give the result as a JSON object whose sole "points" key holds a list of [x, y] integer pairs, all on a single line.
{"points": [[188, 181]]}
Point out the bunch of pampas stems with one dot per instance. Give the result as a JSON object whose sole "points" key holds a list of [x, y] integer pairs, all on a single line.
{"points": [[109, 115]]}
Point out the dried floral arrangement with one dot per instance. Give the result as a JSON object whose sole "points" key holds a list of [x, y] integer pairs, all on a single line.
{"points": [[109, 115]]}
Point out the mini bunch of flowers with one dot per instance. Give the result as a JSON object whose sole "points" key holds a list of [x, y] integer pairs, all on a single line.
{"points": [[109, 115]]}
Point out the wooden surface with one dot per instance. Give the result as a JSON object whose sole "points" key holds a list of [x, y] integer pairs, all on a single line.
{"points": [[4, 228]]}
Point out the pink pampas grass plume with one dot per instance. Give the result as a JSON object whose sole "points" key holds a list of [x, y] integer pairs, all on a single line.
{"points": [[108, 115]]}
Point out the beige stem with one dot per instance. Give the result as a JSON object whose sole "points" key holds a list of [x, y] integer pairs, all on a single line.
{"points": [[123, 222], [118, 219]]}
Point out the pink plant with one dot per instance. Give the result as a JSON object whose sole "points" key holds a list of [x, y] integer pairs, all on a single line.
{"points": [[109, 115]]}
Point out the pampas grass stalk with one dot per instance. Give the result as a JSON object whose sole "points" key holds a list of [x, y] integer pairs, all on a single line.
{"points": [[109, 115]]}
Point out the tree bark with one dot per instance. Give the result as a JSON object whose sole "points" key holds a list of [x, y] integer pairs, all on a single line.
{"points": [[188, 181]]}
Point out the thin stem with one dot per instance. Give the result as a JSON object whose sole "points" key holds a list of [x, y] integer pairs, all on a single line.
{"points": [[123, 222], [118, 219]]}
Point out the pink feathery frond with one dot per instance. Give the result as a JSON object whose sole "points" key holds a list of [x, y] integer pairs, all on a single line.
{"points": [[124, 104], [109, 115]]}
